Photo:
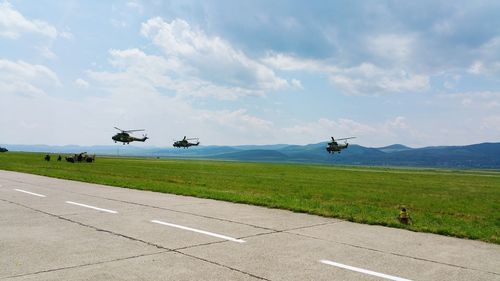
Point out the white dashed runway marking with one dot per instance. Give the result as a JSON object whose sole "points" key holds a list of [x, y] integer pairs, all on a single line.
{"points": [[92, 207], [28, 192], [365, 271], [199, 231]]}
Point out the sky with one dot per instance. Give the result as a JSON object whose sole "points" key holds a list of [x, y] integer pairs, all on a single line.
{"points": [[418, 73]]}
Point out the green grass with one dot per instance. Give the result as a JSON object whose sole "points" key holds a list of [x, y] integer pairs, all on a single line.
{"points": [[462, 203]]}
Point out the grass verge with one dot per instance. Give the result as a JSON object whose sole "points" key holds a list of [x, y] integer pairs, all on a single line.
{"points": [[461, 203]]}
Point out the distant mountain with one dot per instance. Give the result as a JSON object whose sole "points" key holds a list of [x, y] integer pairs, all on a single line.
{"points": [[195, 151], [393, 148], [264, 146], [484, 155]]}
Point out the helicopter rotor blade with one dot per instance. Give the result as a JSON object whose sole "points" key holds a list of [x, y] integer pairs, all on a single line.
{"points": [[128, 131], [347, 138]]}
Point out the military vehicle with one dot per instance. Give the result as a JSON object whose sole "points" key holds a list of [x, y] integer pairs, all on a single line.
{"points": [[81, 157]]}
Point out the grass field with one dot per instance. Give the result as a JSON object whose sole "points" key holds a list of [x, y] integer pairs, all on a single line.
{"points": [[456, 203]]}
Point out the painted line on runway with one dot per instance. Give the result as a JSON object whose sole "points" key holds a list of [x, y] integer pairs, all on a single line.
{"points": [[200, 231], [365, 271], [32, 193], [92, 207]]}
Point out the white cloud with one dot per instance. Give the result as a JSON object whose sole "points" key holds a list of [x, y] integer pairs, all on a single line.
{"points": [[211, 58], [66, 35], [26, 79], [477, 67], [239, 121], [368, 79], [491, 124], [364, 79], [90, 121], [193, 65], [392, 130], [118, 23], [13, 24], [491, 47], [399, 123], [27, 109], [484, 67], [135, 6], [482, 99], [488, 58], [290, 23], [46, 52], [297, 84], [292, 63], [395, 48], [81, 83], [444, 27], [451, 81], [137, 69], [146, 87], [323, 127]]}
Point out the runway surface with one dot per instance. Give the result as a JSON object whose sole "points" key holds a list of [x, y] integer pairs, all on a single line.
{"points": [[52, 229]]}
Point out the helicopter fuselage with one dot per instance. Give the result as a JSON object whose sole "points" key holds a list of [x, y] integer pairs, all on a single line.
{"points": [[185, 144], [335, 147], [126, 138]]}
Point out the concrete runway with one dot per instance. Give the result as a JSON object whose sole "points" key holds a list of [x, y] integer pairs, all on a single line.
{"points": [[53, 229]]}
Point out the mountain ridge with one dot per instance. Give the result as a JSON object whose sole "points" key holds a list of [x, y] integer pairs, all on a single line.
{"points": [[481, 155]]}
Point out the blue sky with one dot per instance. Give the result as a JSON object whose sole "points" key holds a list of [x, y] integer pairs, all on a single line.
{"points": [[250, 72]]}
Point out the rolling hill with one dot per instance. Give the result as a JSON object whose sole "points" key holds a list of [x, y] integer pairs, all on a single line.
{"points": [[483, 155]]}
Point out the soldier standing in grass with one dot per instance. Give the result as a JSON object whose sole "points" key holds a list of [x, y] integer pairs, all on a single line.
{"points": [[404, 216]]}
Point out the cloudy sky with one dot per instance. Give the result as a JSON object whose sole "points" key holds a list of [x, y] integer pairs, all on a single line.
{"points": [[250, 72]]}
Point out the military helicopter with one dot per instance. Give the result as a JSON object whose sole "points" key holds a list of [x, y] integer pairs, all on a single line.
{"points": [[333, 146], [185, 142], [126, 138]]}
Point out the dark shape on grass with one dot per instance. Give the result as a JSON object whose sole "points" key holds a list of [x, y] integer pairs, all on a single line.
{"points": [[90, 159], [59, 158], [47, 157], [125, 137], [3, 149], [81, 157], [404, 216]]}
